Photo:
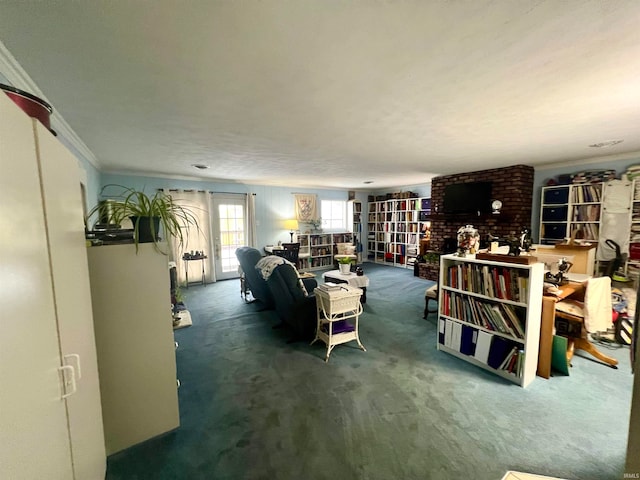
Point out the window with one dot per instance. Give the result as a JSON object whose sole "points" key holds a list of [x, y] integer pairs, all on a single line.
{"points": [[334, 215]]}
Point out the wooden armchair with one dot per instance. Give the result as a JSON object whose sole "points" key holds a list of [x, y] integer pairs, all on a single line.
{"points": [[576, 318]]}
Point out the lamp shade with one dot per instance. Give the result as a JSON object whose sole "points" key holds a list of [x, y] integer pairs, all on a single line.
{"points": [[291, 225]]}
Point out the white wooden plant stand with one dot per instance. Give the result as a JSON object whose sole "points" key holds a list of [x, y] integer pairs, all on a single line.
{"points": [[333, 306]]}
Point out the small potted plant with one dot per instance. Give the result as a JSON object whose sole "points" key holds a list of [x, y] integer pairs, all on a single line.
{"points": [[344, 264], [149, 214]]}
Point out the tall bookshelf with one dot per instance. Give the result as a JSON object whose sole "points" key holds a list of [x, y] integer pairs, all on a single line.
{"points": [[632, 267], [394, 229], [489, 315], [317, 249], [354, 214]]}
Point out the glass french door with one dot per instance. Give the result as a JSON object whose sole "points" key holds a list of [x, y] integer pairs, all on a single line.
{"points": [[229, 233]]}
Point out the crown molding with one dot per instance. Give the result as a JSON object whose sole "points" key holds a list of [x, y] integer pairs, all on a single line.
{"points": [[18, 78], [591, 160]]}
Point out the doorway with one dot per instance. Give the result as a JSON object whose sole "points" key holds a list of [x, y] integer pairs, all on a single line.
{"points": [[229, 226]]}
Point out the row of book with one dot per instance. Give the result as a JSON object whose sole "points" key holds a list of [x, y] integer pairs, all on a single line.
{"points": [[587, 193], [586, 213], [497, 352], [406, 205], [500, 317], [490, 280], [317, 251], [399, 248], [635, 214], [320, 262], [587, 231], [321, 240], [393, 258], [397, 226]]}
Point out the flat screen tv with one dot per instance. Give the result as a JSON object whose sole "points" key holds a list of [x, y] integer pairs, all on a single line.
{"points": [[471, 197]]}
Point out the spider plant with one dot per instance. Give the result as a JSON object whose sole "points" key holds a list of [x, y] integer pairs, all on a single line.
{"points": [[158, 211]]}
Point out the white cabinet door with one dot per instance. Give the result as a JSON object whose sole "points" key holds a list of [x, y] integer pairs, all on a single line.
{"points": [[33, 421], [70, 276]]}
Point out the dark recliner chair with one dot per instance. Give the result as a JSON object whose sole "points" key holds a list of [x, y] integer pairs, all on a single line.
{"points": [[295, 309], [248, 257]]}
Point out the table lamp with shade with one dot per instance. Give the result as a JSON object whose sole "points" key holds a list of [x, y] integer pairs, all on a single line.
{"points": [[292, 226]]}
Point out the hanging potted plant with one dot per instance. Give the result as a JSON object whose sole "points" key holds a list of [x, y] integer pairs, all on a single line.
{"points": [[149, 215]]}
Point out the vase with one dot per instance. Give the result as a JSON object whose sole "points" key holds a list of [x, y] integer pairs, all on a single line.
{"points": [[345, 268], [146, 228]]}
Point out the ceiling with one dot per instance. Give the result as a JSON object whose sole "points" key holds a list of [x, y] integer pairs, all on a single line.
{"points": [[333, 93]]}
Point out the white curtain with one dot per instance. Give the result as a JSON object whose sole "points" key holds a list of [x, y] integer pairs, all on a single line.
{"points": [[306, 207], [250, 208], [195, 240]]}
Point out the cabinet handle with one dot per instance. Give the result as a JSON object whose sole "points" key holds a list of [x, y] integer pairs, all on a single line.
{"points": [[76, 361], [68, 380]]}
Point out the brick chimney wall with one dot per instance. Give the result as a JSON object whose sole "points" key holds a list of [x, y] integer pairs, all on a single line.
{"points": [[513, 186]]}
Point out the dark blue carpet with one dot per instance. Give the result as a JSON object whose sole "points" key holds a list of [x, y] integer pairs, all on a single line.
{"points": [[254, 407]]}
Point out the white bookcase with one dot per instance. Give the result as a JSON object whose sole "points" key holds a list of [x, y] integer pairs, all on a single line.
{"points": [[568, 210], [393, 231], [632, 268], [487, 310], [354, 214], [317, 249]]}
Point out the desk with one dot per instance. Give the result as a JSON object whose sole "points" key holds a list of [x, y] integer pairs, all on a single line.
{"points": [[270, 248], [547, 323]]}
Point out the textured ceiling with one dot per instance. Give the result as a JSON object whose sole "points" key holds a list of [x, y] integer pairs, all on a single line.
{"points": [[334, 93]]}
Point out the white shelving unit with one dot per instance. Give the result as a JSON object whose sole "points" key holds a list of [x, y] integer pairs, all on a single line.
{"points": [[632, 268], [471, 294], [317, 249], [130, 292], [354, 213], [394, 228], [568, 210]]}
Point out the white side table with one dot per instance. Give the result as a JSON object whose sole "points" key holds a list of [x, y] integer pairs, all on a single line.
{"points": [[333, 308]]}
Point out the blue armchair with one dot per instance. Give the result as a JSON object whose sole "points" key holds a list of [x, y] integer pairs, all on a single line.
{"points": [[295, 307], [248, 258]]}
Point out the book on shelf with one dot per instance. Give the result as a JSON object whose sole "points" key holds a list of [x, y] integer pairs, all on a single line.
{"points": [[500, 348], [468, 340], [441, 327], [483, 345], [505, 363]]}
